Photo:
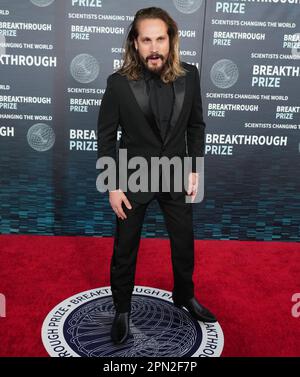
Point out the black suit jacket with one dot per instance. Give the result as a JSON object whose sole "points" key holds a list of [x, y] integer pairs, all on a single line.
{"points": [[126, 103]]}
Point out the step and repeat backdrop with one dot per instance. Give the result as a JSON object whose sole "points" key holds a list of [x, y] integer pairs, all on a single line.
{"points": [[55, 56]]}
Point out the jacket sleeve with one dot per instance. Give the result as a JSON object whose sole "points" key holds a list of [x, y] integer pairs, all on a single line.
{"points": [[196, 125], [108, 122]]}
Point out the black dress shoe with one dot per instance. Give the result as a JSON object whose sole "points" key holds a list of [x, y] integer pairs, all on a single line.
{"points": [[197, 310], [120, 328]]}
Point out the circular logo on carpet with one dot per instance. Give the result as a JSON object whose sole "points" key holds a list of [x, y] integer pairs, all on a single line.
{"points": [[80, 326]]}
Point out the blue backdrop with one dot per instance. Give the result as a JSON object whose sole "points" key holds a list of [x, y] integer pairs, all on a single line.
{"points": [[55, 59]]}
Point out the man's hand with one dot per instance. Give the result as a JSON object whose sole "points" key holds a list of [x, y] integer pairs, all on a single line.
{"points": [[193, 185], [116, 198]]}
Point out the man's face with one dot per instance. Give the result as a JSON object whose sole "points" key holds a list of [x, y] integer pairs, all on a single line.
{"points": [[153, 43]]}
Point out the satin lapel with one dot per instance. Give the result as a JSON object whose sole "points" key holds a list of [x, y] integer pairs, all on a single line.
{"points": [[179, 91], [140, 93]]}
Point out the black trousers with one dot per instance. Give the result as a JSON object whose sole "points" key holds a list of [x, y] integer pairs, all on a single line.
{"points": [[179, 223]]}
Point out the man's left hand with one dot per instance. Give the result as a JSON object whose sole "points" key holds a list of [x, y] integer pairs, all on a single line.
{"points": [[193, 185]]}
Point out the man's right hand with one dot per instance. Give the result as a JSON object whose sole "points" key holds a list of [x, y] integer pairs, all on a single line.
{"points": [[116, 198]]}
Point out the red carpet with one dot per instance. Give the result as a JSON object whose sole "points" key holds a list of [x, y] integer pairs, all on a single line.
{"points": [[248, 285]]}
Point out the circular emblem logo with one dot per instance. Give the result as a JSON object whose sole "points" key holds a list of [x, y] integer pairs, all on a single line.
{"points": [[80, 326], [187, 6], [41, 137], [84, 68], [224, 73], [42, 3]]}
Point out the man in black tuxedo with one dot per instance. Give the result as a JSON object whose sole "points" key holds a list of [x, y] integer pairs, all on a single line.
{"points": [[156, 100]]}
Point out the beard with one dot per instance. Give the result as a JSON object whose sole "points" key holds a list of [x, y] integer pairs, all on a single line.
{"points": [[154, 68]]}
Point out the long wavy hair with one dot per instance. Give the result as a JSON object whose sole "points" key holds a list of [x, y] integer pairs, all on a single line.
{"points": [[132, 66]]}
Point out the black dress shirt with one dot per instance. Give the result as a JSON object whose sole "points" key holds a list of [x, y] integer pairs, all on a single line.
{"points": [[161, 98]]}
